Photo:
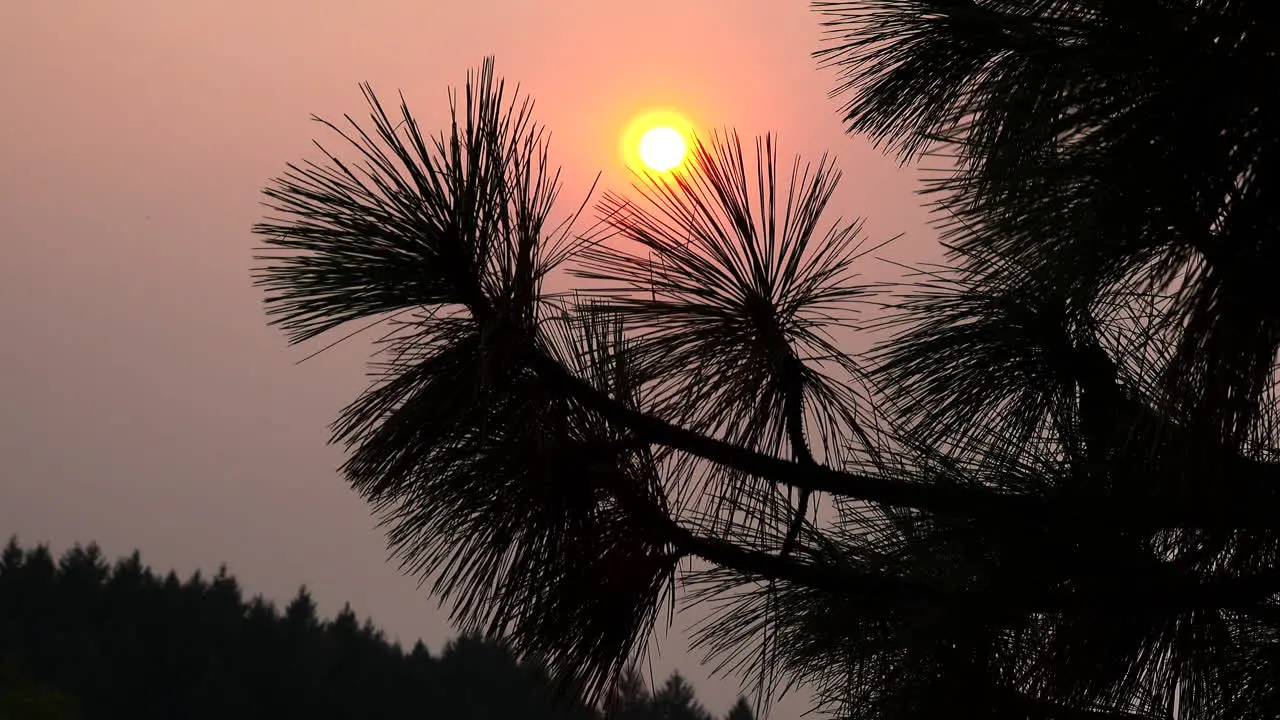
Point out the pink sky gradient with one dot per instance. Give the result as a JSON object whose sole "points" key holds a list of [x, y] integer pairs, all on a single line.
{"points": [[144, 403]]}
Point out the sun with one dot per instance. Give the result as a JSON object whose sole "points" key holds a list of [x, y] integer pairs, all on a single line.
{"points": [[657, 141], [662, 148]]}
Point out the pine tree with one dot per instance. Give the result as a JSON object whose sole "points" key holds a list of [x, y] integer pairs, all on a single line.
{"points": [[629, 697], [1050, 492], [676, 700], [198, 650], [741, 710]]}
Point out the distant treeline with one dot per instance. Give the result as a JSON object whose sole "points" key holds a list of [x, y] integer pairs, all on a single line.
{"points": [[82, 638]]}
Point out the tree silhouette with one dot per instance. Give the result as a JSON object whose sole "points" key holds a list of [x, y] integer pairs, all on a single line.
{"points": [[675, 700], [628, 698], [1051, 491], [124, 643], [741, 710]]}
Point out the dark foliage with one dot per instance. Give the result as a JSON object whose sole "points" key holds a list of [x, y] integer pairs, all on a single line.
{"points": [[1052, 493], [83, 639]]}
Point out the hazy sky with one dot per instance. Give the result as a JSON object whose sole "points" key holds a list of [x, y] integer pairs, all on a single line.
{"points": [[144, 403]]}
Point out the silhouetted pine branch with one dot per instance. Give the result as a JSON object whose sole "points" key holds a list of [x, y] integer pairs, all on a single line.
{"points": [[1052, 491]]}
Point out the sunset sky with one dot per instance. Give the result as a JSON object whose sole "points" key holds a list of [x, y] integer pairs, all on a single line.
{"points": [[144, 402]]}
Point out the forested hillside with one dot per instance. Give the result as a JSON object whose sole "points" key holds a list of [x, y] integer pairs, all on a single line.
{"points": [[83, 638]]}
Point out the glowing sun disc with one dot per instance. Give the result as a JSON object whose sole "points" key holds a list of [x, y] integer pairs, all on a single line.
{"points": [[662, 148], [656, 141]]}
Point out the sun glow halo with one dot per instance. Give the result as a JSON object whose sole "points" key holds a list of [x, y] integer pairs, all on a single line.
{"points": [[657, 142]]}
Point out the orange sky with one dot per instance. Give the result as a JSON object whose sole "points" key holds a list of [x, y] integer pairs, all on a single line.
{"points": [[143, 401]]}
